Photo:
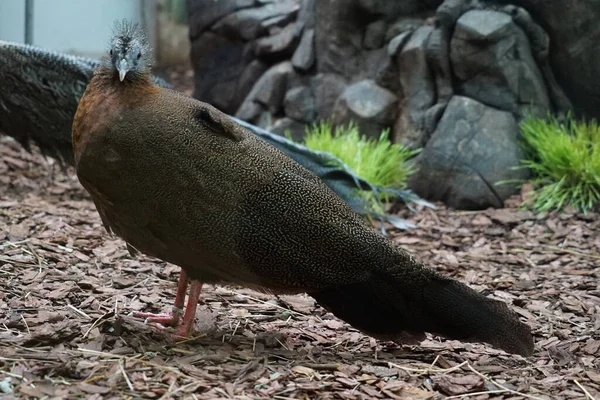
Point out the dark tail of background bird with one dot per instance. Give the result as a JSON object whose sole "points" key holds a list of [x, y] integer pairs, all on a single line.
{"points": [[390, 307]]}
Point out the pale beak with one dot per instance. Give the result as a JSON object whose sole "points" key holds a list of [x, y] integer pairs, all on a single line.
{"points": [[123, 67]]}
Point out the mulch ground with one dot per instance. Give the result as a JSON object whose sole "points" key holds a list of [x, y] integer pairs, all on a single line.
{"points": [[67, 289]]}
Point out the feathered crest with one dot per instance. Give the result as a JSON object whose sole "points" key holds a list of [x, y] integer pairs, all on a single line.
{"points": [[125, 31], [126, 39]]}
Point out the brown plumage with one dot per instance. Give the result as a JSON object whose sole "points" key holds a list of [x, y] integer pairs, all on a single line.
{"points": [[178, 180]]}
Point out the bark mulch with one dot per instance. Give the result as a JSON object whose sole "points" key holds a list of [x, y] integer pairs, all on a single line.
{"points": [[67, 289]]}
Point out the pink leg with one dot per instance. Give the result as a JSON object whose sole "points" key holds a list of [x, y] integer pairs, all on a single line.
{"points": [[172, 318], [187, 324]]}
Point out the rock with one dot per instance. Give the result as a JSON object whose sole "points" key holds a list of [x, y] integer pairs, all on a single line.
{"points": [[401, 25], [308, 14], [218, 64], [390, 9], [373, 61], [387, 75], [299, 104], [396, 45], [267, 94], [574, 56], [418, 88], [279, 45], [304, 56], [474, 147], [247, 24], [371, 107], [204, 13], [492, 60], [438, 58], [374, 35], [285, 125], [338, 38], [250, 111], [249, 77], [326, 88]]}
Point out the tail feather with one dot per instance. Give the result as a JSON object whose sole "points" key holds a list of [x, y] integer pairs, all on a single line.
{"points": [[400, 309]]}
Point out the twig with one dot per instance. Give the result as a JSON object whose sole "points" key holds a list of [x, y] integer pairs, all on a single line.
{"points": [[266, 302], [78, 311], [429, 369], [587, 394], [95, 323], [462, 396], [170, 393], [501, 386], [125, 375], [26, 326]]}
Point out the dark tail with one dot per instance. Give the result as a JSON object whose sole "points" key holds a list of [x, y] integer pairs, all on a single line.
{"points": [[394, 308]]}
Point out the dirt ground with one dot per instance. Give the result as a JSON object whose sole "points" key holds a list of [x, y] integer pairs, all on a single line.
{"points": [[67, 289]]}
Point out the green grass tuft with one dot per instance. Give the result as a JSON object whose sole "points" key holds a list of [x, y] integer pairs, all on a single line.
{"points": [[565, 160], [378, 162]]}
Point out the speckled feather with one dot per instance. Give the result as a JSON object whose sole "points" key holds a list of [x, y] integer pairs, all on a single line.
{"points": [[179, 180]]}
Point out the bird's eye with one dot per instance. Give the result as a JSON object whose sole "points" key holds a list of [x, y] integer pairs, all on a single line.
{"points": [[110, 52], [139, 55]]}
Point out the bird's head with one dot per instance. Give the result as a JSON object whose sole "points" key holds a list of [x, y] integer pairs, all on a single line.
{"points": [[129, 54]]}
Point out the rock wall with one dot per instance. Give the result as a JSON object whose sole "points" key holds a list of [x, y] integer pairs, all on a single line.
{"points": [[453, 77]]}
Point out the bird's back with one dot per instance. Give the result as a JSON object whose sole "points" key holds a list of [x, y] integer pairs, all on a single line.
{"points": [[178, 179]]}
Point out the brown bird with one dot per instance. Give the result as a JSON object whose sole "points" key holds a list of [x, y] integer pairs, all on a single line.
{"points": [[179, 180]]}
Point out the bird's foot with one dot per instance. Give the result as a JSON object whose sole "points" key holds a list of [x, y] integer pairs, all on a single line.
{"points": [[163, 319], [184, 330]]}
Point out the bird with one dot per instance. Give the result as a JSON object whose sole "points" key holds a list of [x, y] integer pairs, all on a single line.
{"points": [[42, 89], [180, 181]]}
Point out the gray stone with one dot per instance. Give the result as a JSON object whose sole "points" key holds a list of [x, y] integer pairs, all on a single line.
{"points": [[307, 14], [387, 75], [397, 43], [338, 38], [374, 35], [326, 88], [401, 25], [218, 63], [483, 26], [304, 56], [250, 111], [492, 60], [247, 24], [267, 94], [279, 45], [473, 148], [438, 57], [284, 125], [572, 27], [203, 13], [390, 9], [373, 61], [418, 88], [249, 77], [299, 104], [278, 21], [371, 107]]}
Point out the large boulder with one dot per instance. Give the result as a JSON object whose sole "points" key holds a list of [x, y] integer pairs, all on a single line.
{"points": [[326, 88], [267, 94], [473, 148], [204, 13], [575, 46], [299, 104], [492, 61], [371, 107], [219, 63], [417, 83]]}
